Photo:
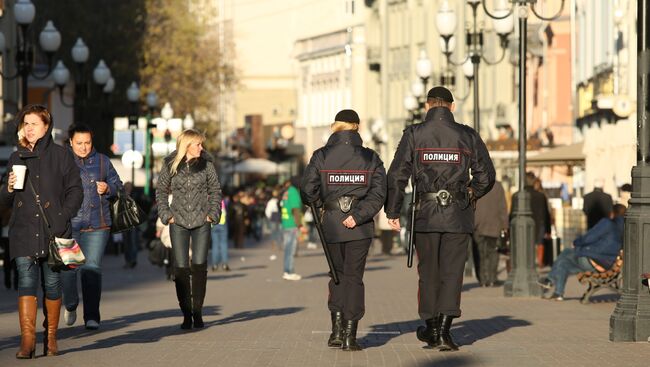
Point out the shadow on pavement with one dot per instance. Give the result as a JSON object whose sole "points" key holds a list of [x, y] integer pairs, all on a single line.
{"points": [[79, 331], [470, 286], [464, 332], [445, 360], [468, 332], [225, 276], [152, 335], [252, 267]]}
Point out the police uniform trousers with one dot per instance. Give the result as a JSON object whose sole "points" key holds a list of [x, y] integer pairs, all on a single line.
{"points": [[441, 263], [349, 260]]}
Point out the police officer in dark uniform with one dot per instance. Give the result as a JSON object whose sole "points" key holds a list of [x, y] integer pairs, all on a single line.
{"points": [[348, 182], [440, 154]]}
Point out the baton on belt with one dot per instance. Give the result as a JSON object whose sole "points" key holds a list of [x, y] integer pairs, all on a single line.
{"points": [[409, 258], [328, 256]]}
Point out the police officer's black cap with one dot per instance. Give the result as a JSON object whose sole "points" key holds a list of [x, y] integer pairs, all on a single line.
{"points": [[347, 116], [441, 93]]}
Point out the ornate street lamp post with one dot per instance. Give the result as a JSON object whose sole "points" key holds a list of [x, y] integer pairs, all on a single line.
{"points": [[49, 41], [630, 320], [133, 96], [446, 23], [152, 103], [522, 280]]}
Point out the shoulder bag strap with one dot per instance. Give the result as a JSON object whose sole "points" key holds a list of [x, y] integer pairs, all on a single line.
{"points": [[38, 202]]}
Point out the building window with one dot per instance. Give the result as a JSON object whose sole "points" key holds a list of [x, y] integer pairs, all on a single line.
{"points": [[349, 7]]}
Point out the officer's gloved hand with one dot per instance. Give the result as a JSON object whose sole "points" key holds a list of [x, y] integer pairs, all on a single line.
{"points": [[471, 198]]}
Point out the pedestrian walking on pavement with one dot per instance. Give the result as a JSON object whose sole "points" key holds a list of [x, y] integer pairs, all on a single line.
{"points": [[219, 235], [189, 175], [52, 186], [490, 218], [291, 217], [348, 182], [91, 227], [439, 153]]}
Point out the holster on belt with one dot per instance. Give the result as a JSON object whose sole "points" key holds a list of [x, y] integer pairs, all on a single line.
{"points": [[443, 198], [343, 203]]}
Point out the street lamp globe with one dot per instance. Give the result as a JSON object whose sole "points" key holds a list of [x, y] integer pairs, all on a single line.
{"points": [[133, 93], [446, 20], [80, 51], [505, 25], [50, 38], [24, 12], [167, 112], [417, 89], [102, 73], [473, 2], [109, 86], [468, 69], [188, 122], [423, 66], [61, 74], [410, 103], [152, 100]]}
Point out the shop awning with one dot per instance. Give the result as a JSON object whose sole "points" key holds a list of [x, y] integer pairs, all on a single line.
{"points": [[567, 155]]}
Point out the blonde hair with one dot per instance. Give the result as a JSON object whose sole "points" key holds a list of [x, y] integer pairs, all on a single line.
{"points": [[344, 126], [184, 140]]}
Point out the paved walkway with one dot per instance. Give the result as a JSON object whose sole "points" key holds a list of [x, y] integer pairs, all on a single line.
{"points": [[254, 318]]}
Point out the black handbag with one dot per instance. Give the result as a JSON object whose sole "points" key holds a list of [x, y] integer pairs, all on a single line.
{"points": [[125, 213]]}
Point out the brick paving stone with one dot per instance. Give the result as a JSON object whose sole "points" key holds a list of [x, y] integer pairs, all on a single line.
{"points": [[254, 318]]}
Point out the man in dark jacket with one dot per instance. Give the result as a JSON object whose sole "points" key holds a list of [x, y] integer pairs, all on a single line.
{"points": [[490, 218], [596, 250], [597, 204], [349, 182], [440, 152]]}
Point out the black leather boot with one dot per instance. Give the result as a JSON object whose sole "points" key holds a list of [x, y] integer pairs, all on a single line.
{"points": [[184, 295], [199, 280], [431, 333], [336, 337], [446, 342], [350, 336]]}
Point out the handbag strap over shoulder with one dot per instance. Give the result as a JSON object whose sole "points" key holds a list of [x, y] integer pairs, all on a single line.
{"points": [[38, 202]]}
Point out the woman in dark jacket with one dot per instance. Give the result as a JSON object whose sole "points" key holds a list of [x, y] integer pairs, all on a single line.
{"points": [[188, 174], [54, 176], [91, 227]]}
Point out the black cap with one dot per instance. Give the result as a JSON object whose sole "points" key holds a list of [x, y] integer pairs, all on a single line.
{"points": [[347, 116], [441, 93]]}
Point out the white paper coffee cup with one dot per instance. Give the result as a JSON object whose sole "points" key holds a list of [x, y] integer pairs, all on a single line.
{"points": [[19, 170]]}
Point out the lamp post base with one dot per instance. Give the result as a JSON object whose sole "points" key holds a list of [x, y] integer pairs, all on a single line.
{"points": [[522, 280], [630, 320]]}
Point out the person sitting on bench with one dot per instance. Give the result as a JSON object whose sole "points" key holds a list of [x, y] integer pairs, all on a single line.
{"points": [[596, 250]]}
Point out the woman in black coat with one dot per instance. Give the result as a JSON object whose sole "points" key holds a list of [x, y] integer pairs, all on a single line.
{"points": [[54, 176]]}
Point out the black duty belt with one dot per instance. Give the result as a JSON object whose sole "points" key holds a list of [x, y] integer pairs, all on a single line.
{"points": [[343, 203], [442, 197]]}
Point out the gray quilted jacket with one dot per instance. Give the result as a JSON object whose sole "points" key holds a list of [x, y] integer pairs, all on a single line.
{"points": [[195, 189]]}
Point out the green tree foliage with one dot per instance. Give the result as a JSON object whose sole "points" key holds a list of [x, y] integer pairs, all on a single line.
{"points": [[182, 62]]}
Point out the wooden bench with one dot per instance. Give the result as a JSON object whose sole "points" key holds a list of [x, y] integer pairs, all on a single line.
{"points": [[600, 280]]}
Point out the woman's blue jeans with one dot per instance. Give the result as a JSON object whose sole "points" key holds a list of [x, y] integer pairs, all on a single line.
{"points": [[181, 236], [29, 274], [289, 241], [219, 235], [93, 244]]}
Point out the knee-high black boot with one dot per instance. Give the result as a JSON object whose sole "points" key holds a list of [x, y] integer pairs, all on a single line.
{"points": [[350, 336], [199, 280], [431, 333], [183, 293], [336, 337], [446, 342]]}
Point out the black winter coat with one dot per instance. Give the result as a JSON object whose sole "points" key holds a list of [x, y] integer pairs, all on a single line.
{"points": [[445, 152], [55, 176], [344, 167], [597, 205], [195, 189]]}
